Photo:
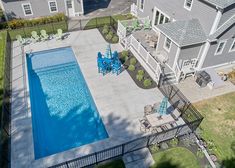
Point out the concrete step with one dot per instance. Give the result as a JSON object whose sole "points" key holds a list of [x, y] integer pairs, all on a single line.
{"points": [[138, 159]]}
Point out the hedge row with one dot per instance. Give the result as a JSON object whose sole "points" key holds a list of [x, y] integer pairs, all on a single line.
{"points": [[20, 23]]}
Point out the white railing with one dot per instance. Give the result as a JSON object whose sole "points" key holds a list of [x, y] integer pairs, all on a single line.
{"points": [[134, 10], [177, 72], [144, 57], [121, 31]]}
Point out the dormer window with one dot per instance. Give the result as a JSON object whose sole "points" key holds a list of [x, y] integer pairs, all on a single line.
{"points": [[188, 4]]}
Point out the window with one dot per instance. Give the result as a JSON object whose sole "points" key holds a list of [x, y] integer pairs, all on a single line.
{"points": [[52, 6], [188, 4], [220, 47], [167, 44], [27, 9], [232, 48], [160, 18], [141, 5]]}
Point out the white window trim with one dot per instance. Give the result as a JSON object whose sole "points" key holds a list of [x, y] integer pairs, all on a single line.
{"points": [[154, 18], [24, 9], [164, 46], [55, 5], [186, 7], [230, 49], [142, 10], [223, 41]]}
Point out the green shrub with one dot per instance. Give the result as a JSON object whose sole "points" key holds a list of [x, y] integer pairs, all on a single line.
{"points": [[131, 68], [133, 61], [155, 148], [106, 27], [115, 39], [124, 53], [109, 37], [19, 23], [105, 31], [111, 33], [200, 154], [139, 77], [140, 72], [174, 142], [147, 82]]}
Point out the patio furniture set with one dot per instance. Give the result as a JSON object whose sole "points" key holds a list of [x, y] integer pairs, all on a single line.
{"points": [[42, 37], [136, 25], [155, 120], [109, 62], [151, 40]]}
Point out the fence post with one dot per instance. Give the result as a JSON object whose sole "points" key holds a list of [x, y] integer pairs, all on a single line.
{"points": [[123, 149], [53, 29]]}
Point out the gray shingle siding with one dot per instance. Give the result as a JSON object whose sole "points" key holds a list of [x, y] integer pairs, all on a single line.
{"points": [[226, 56], [175, 10], [13, 8], [173, 50]]}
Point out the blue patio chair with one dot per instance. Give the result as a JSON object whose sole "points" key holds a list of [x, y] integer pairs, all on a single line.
{"points": [[117, 67]]}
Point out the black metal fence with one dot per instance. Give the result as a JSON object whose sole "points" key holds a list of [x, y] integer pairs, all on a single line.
{"points": [[86, 24], [5, 111], [120, 150], [177, 99]]}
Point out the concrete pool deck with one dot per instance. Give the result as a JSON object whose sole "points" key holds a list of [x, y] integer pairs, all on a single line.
{"points": [[119, 100]]}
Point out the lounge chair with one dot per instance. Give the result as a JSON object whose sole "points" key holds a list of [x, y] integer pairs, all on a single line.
{"points": [[147, 24], [35, 37], [144, 125], [148, 109], [59, 34], [176, 114], [21, 40], [156, 107], [44, 35], [136, 25]]}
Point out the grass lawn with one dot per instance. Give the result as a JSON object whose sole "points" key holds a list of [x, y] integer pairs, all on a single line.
{"points": [[219, 123], [106, 20], [177, 157], [2, 51], [113, 164]]}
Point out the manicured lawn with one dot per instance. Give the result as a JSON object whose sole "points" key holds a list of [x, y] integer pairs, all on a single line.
{"points": [[96, 22], [113, 164], [219, 123], [177, 157]]}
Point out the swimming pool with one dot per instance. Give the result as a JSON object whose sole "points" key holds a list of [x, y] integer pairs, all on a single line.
{"points": [[64, 114]]}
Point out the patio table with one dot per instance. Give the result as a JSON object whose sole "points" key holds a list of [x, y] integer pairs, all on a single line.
{"points": [[156, 121]]}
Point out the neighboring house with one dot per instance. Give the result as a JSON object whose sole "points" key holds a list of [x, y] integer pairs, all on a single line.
{"points": [[192, 34], [37, 8]]}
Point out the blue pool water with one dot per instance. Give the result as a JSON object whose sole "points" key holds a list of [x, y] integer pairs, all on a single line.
{"points": [[64, 114]]}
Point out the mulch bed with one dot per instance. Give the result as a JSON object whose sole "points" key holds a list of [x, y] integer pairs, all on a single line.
{"points": [[104, 35], [134, 73]]}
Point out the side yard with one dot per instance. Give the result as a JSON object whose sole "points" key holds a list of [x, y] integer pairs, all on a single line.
{"points": [[217, 128], [3, 137]]}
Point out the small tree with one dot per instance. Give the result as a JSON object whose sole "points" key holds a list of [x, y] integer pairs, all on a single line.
{"points": [[140, 72], [115, 39], [124, 53], [109, 37], [106, 27], [105, 31], [139, 77], [174, 142]]}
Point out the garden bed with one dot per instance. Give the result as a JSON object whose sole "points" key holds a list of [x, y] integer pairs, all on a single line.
{"points": [[183, 152], [109, 34], [141, 78]]}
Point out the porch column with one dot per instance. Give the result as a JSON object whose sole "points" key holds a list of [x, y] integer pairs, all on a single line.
{"points": [[203, 56]]}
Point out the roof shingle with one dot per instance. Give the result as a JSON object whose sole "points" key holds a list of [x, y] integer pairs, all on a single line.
{"points": [[184, 33], [221, 3]]}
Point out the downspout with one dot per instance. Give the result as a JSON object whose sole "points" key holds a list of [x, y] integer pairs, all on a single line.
{"points": [[82, 7]]}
